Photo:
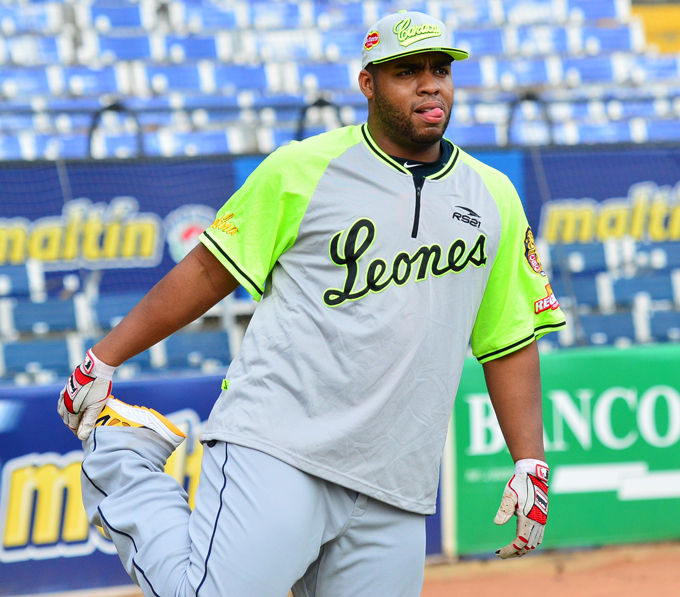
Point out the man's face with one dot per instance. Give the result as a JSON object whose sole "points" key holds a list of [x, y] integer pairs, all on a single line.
{"points": [[412, 98]]}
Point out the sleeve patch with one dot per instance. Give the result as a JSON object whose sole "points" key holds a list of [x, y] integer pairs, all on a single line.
{"points": [[225, 225], [531, 254], [548, 302]]}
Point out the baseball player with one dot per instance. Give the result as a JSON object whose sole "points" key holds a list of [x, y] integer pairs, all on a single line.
{"points": [[377, 254]]}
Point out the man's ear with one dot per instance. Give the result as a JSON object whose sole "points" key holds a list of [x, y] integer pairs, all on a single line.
{"points": [[366, 83]]}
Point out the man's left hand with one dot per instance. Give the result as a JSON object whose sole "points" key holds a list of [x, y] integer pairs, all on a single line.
{"points": [[525, 496]]}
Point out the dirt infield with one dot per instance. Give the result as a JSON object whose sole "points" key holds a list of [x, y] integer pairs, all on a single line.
{"points": [[625, 571]]}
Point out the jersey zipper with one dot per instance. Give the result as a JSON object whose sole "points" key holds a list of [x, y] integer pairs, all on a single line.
{"points": [[418, 181]]}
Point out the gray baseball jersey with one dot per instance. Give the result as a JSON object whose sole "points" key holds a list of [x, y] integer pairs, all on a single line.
{"points": [[371, 289]]}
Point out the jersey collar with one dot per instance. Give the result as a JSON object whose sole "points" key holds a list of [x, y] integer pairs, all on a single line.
{"points": [[446, 169]]}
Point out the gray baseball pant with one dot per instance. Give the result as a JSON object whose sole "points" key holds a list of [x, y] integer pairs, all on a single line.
{"points": [[259, 526]]}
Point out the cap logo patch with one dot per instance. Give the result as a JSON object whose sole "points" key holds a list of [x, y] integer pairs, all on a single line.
{"points": [[408, 34], [372, 40], [530, 253]]}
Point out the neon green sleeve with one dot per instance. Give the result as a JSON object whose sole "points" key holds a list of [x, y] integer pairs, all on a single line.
{"points": [[518, 306], [261, 220]]}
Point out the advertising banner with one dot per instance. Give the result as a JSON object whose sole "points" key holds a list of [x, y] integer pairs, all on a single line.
{"points": [[46, 541], [612, 432]]}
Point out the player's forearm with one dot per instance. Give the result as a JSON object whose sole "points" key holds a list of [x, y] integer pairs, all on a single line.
{"points": [[514, 384], [193, 286]]}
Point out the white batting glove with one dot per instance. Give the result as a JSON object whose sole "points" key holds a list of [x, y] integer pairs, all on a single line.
{"points": [[525, 496], [85, 394]]}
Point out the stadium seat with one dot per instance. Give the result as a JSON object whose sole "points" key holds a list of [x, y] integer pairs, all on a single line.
{"points": [[189, 350], [584, 288], [280, 15], [229, 79], [24, 82], [598, 40], [334, 15], [468, 73], [324, 76], [201, 143], [50, 355], [520, 12], [111, 308], [469, 14], [180, 48], [479, 41], [51, 147], [339, 44], [104, 18], [596, 69], [541, 40], [476, 134], [50, 316], [520, 73], [657, 285], [83, 80], [163, 79], [14, 281], [670, 252], [578, 258], [665, 326], [654, 68], [130, 47], [202, 17], [29, 18], [663, 131], [608, 329], [596, 10], [10, 148]]}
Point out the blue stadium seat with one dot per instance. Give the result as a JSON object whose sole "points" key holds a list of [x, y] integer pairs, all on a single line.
{"points": [[83, 80], [180, 48], [663, 130], [10, 148], [232, 78], [607, 39], [129, 47], [469, 14], [529, 11], [289, 45], [324, 76], [24, 82], [277, 15], [184, 77], [475, 134], [111, 308], [336, 15], [578, 258], [467, 73], [480, 41], [657, 68], [542, 40], [518, 73], [341, 43], [202, 143], [50, 354], [610, 132], [14, 280], [202, 17], [607, 329], [597, 69], [26, 18], [123, 16], [594, 10], [15, 122], [657, 285], [51, 147], [584, 287], [671, 251], [119, 146], [52, 315], [187, 350], [665, 325]]}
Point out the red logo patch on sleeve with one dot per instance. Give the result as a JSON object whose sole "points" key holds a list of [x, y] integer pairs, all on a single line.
{"points": [[548, 302], [372, 40]]}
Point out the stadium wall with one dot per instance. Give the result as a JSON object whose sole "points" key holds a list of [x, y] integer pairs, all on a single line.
{"points": [[612, 416]]}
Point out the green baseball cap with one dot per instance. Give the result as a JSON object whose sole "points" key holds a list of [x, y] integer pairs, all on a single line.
{"points": [[404, 33]]}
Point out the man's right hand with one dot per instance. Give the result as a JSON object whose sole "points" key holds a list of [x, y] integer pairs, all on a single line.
{"points": [[85, 394]]}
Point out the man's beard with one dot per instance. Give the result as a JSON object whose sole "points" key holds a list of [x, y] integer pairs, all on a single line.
{"points": [[399, 127]]}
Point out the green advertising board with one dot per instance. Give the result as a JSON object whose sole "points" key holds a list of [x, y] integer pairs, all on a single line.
{"points": [[612, 437]]}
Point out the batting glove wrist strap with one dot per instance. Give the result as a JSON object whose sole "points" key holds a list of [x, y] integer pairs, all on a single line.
{"points": [[526, 497], [85, 395], [101, 369]]}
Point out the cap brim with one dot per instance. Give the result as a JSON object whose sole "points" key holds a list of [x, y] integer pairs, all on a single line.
{"points": [[455, 53]]}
